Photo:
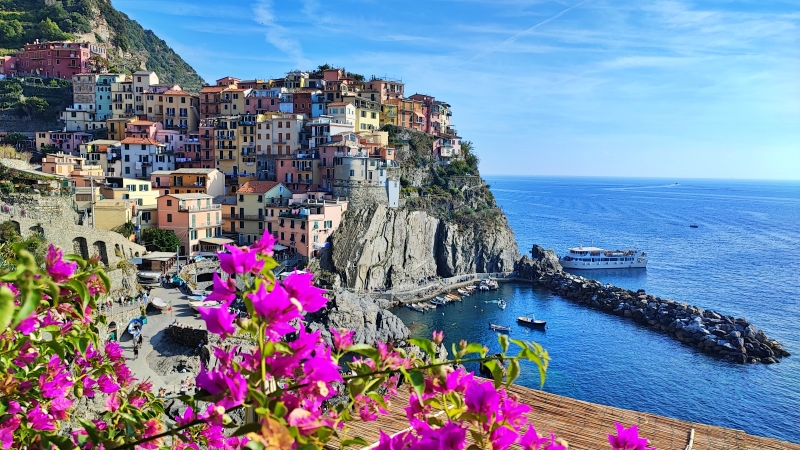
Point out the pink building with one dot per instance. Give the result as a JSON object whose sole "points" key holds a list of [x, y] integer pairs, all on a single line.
{"points": [[58, 59], [195, 219], [8, 66], [161, 181], [143, 129], [66, 141], [305, 227]]}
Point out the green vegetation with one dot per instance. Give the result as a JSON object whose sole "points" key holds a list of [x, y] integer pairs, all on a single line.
{"points": [[126, 229], [155, 239], [10, 238], [23, 21], [35, 97]]}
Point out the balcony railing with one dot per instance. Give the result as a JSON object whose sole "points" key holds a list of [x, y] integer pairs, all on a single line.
{"points": [[213, 223], [193, 208], [244, 216]]}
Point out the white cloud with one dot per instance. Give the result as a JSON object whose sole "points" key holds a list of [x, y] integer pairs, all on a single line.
{"points": [[277, 35]]}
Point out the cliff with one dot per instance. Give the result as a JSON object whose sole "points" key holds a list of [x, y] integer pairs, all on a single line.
{"points": [[130, 47], [448, 225]]}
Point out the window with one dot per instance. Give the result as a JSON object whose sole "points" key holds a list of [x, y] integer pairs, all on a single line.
{"points": [[303, 238], [144, 187], [169, 202], [352, 172], [241, 224], [169, 217], [241, 197], [127, 170], [280, 124], [260, 198]]}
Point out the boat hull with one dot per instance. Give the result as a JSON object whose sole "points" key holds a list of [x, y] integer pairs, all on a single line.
{"points": [[535, 324], [583, 265]]}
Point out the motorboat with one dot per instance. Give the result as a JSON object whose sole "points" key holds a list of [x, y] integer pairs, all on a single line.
{"points": [[135, 326], [597, 258], [161, 304], [500, 328], [438, 301], [694, 225], [415, 307], [197, 298], [501, 304], [206, 304], [530, 321]]}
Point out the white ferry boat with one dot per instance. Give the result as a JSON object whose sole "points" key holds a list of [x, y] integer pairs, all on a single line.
{"points": [[597, 258]]}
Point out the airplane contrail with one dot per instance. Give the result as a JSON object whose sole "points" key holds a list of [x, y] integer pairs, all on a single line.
{"points": [[522, 33]]}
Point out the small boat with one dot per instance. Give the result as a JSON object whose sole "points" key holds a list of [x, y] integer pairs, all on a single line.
{"points": [[197, 298], [463, 292], [438, 301], [531, 321], [198, 293], [135, 326], [501, 304], [159, 303], [415, 307], [694, 225], [483, 287], [210, 304], [500, 328]]}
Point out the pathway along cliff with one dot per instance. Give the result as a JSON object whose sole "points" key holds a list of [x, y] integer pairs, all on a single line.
{"points": [[709, 331]]}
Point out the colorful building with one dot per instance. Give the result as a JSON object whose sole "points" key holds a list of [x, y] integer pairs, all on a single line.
{"points": [[195, 219], [306, 226], [140, 156], [102, 96], [106, 153], [58, 59], [254, 211], [66, 141], [197, 181]]}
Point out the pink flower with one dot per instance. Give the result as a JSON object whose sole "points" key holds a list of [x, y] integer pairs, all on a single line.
{"points": [[152, 427], [449, 437], [107, 385], [89, 384], [218, 320], [39, 420], [298, 286], [7, 429], [95, 285], [502, 438], [58, 269], [224, 291], [342, 338], [123, 373], [29, 324], [240, 261], [137, 401], [438, 337], [13, 407], [307, 422], [532, 441], [27, 354], [187, 416], [265, 244], [400, 441], [276, 309], [481, 398], [113, 402], [233, 387], [628, 439], [59, 407], [114, 351], [12, 287]]}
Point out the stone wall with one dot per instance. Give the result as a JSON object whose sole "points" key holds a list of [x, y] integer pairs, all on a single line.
{"points": [[735, 339], [121, 319], [189, 337], [360, 194], [16, 163], [55, 219]]}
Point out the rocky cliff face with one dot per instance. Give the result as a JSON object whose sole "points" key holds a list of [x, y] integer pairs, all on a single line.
{"points": [[395, 248], [541, 263], [368, 318]]}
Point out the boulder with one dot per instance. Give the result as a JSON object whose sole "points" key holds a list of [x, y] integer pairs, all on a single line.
{"points": [[360, 314]]}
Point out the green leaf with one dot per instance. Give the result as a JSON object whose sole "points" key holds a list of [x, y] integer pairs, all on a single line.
{"points": [[473, 348], [354, 441], [30, 300], [497, 371], [6, 308], [253, 445], [513, 371], [424, 344], [355, 387], [378, 399], [62, 442], [81, 290], [503, 340], [418, 382], [280, 409], [364, 350], [106, 280], [247, 428], [91, 430]]}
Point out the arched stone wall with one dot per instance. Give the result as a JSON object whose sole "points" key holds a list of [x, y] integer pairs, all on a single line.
{"points": [[80, 247], [99, 248]]}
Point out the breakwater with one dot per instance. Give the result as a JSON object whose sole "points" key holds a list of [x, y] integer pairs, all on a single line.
{"points": [[709, 331]]}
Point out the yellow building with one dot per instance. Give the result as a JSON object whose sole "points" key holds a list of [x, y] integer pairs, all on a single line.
{"points": [[367, 112], [116, 127], [139, 191], [254, 213], [388, 115], [197, 181], [110, 214]]}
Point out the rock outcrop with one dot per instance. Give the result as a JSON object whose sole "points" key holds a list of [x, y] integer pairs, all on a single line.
{"points": [[735, 339], [370, 320], [380, 247]]}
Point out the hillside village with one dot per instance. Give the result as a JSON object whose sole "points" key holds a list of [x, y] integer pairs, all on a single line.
{"points": [[288, 155]]}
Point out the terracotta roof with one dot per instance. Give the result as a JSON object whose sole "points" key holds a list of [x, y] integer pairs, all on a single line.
{"points": [[257, 187], [141, 141], [213, 89], [143, 122], [338, 104], [171, 92]]}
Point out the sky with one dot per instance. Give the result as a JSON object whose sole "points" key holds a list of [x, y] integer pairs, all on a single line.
{"points": [[645, 88]]}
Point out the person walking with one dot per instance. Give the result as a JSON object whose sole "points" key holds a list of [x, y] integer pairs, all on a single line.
{"points": [[135, 351]]}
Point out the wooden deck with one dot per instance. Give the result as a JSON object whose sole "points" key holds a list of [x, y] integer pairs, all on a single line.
{"points": [[585, 426]]}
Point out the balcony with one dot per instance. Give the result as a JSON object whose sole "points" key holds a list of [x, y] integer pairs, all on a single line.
{"points": [[155, 185], [213, 223], [195, 208], [229, 147], [244, 217]]}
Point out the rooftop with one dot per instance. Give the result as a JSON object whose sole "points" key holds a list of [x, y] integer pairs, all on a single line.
{"points": [[193, 171], [146, 141], [171, 92], [258, 187], [189, 196]]}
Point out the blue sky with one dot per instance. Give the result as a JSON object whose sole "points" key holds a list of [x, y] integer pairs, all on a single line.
{"points": [[650, 88]]}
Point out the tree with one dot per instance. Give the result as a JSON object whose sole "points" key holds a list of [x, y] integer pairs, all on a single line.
{"points": [[35, 107], [15, 138], [156, 239], [50, 31], [126, 229]]}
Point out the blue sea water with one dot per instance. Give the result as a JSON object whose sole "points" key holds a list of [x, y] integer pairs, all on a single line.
{"points": [[742, 260]]}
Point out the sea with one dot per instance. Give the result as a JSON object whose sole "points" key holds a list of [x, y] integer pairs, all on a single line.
{"points": [[743, 260]]}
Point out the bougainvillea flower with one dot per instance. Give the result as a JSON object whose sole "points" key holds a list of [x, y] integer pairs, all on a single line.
{"points": [[29, 324], [233, 387], [27, 354], [7, 429], [224, 291], [152, 427], [342, 338], [276, 310], [401, 441], [59, 407], [265, 244], [531, 440], [113, 402], [39, 420], [123, 373], [481, 398], [107, 385], [240, 260], [502, 438], [59, 270], [298, 286], [186, 417], [113, 351], [628, 439], [218, 320], [438, 337], [449, 437]]}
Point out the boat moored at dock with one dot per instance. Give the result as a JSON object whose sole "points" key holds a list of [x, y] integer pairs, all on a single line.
{"points": [[597, 258]]}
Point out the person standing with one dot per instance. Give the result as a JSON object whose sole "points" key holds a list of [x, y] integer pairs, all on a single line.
{"points": [[135, 351], [205, 356]]}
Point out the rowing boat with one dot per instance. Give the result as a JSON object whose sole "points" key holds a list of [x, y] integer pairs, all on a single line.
{"points": [[500, 328]]}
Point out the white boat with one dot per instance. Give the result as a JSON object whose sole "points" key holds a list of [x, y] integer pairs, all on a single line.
{"points": [[160, 304], [415, 307], [597, 258], [209, 304], [501, 304]]}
